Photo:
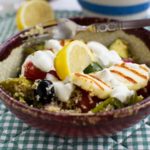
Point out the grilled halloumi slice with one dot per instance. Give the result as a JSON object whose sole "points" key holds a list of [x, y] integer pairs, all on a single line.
{"points": [[101, 84], [134, 76], [90, 83]]}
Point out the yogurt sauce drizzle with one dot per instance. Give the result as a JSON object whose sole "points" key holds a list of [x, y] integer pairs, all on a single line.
{"points": [[63, 89], [103, 56], [42, 59], [53, 45], [119, 90]]}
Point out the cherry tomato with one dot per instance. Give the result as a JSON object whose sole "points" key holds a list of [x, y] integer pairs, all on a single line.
{"points": [[33, 73]]}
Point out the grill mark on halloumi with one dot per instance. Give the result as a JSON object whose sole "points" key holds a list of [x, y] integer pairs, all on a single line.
{"points": [[124, 76], [132, 70], [78, 74], [99, 80], [144, 68]]}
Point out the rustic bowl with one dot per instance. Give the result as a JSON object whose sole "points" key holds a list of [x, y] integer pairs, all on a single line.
{"points": [[75, 125]]}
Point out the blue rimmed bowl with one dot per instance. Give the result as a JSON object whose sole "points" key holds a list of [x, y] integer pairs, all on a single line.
{"points": [[116, 9]]}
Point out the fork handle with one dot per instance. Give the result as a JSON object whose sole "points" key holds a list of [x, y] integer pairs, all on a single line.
{"points": [[119, 25]]}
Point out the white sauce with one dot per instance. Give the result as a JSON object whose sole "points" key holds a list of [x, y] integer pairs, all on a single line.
{"points": [[108, 58], [103, 56], [43, 60], [122, 93], [51, 77], [119, 90], [114, 58], [106, 76], [53, 45], [63, 89]]}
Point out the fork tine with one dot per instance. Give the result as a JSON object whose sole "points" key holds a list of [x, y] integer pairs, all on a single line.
{"points": [[46, 26], [42, 32]]}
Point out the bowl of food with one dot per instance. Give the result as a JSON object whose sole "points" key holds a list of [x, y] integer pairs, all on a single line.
{"points": [[95, 84]]}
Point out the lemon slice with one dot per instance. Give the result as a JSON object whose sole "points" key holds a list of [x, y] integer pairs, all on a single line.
{"points": [[74, 57], [32, 13]]}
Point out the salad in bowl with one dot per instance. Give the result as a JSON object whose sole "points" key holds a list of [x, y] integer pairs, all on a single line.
{"points": [[79, 77], [96, 81]]}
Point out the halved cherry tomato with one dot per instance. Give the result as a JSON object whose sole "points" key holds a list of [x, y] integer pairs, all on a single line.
{"points": [[33, 73]]}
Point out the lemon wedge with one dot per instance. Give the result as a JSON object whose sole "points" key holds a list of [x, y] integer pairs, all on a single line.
{"points": [[32, 13], [74, 57]]}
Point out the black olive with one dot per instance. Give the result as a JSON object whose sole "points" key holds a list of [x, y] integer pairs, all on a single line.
{"points": [[45, 92]]}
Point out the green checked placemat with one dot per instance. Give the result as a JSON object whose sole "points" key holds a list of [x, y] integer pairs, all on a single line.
{"points": [[16, 135]]}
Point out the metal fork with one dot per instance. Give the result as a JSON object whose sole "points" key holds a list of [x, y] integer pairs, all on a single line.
{"points": [[67, 29]]}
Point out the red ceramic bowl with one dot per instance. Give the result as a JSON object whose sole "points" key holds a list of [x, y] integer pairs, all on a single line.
{"points": [[83, 125]]}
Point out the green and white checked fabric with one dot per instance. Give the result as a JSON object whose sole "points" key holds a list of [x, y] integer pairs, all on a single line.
{"points": [[16, 135]]}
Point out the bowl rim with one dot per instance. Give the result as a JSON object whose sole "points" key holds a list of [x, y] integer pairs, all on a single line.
{"points": [[5, 50]]}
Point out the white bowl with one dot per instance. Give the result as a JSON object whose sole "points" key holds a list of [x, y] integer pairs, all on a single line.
{"points": [[115, 9]]}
